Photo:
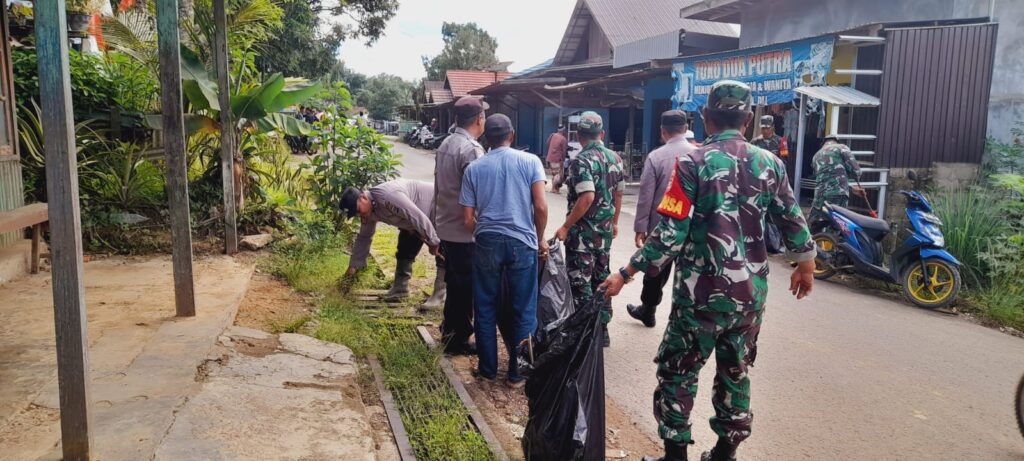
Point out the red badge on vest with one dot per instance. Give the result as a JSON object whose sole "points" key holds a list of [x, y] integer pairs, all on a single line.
{"points": [[675, 204]]}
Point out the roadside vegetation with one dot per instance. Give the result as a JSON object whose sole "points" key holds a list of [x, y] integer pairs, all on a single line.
{"points": [[984, 229]]}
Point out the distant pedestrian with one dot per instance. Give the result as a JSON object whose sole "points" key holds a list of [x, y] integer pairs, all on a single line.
{"points": [[713, 228], [404, 204], [454, 155], [654, 181], [596, 183], [834, 166], [558, 150], [503, 196]]}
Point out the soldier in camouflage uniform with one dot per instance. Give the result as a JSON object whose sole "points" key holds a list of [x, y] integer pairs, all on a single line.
{"points": [[768, 140], [712, 227], [595, 183], [833, 165]]}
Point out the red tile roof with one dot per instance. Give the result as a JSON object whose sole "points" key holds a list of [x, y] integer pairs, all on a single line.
{"points": [[461, 82], [436, 92]]}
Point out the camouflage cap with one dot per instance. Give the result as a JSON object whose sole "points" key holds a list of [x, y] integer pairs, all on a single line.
{"points": [[767, 121], [590, 123], [730, 95]]}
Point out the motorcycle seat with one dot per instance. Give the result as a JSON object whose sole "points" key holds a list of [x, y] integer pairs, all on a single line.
{"points": [[866, 222]]}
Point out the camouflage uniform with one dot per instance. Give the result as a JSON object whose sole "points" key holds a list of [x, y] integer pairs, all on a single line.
{"points": [[833, 165], [595, 169], [772, 144], [714, 213]]}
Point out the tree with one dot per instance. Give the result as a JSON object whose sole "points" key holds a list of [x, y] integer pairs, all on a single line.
{"points": [[466, 46], [383, 94], [354, 81]]}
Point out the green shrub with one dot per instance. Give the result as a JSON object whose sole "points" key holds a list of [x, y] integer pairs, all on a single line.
{"points": [[124, 179], [351, 156], [970, 222]]}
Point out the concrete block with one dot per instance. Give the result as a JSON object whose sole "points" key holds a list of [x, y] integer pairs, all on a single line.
{"points": [[15, 260], [315, 349]]}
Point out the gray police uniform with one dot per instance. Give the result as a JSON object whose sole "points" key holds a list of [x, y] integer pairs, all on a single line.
{"points": [[402, 203]]}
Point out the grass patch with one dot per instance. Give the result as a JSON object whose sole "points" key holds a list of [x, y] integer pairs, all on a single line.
{"points": [[291, 326], [1005, 307], [434, 416]]}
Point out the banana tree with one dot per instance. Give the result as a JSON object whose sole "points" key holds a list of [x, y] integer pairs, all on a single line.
{"points": [[255, 110]]}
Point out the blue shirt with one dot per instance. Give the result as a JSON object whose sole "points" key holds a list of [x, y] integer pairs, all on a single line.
{"points": [[499, 186]]}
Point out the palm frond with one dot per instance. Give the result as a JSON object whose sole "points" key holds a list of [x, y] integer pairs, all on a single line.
{"points": [[133, 33]]}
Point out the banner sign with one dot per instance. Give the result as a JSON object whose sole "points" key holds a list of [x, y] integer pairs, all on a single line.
{"points": [[772, 72]]}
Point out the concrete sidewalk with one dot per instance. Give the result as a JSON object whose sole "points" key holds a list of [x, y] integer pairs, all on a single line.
{"points": [[143, 359]]}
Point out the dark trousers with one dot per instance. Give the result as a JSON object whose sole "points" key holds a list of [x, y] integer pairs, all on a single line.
{"points": [[499, 260], [457, 326], [409, 245], [654, 286]]}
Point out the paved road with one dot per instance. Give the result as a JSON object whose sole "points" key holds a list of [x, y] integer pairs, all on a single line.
{"points": [[840, 375]]}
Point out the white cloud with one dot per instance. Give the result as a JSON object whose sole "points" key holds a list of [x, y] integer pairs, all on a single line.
{"points": [[528, 33]]}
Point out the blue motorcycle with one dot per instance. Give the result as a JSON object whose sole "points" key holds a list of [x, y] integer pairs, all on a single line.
{"points": [[851, 242]]}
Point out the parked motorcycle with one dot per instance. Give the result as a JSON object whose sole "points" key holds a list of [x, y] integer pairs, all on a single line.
{"points": [[411, 135], [851, 242], [436, 142]]}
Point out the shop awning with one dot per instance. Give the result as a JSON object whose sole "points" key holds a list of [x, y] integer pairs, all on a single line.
{"points": [[840, 96]]}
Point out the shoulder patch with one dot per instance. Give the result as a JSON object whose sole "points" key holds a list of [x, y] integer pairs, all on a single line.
{"points": [[675, 204]]}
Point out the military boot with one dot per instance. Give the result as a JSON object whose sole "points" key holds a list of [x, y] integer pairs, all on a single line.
{"points": [[437, 298], [400, 289], [673, 452], [723, 451], [643, 313]]}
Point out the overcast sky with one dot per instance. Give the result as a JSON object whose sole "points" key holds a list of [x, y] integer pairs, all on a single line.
{"points": [[528, 33]]}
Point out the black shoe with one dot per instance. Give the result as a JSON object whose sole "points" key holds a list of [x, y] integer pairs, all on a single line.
{"points": [[673, 452], [466, 348], [710, 456], [723, 451], [643, 313], [606, 340]]}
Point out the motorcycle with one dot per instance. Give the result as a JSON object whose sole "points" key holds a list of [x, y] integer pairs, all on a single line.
{"points": [[411, 135], [851, 242]]}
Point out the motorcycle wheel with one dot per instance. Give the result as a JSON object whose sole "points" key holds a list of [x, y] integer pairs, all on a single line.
{"points": [[941, 292], [1020, 406], [822, 269]]}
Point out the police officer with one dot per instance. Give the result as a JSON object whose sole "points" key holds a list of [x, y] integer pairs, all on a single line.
{"points": [[453, 157], [654, 181], [401, 203], [833, 165], [713, 228], [595, 182]]}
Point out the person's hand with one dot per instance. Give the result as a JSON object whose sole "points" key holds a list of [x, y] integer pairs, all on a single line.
{"points": [[434, 250], [859, 191], [612, 285], [543, 250], [640, 238], [615, 230], [351, 271], [800, 283], [562, 233]]}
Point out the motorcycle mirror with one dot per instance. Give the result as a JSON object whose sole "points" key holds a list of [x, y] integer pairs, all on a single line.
{"points": [[912, 175]]}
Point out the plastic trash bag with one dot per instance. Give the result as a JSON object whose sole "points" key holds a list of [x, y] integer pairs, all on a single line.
{"points": [[772, 237], [554, 298], [565, 389]]}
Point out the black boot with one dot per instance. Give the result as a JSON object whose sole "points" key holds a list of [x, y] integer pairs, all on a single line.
{"points": [[643, 313], [606, 340], [723, 451], [673, 452]]}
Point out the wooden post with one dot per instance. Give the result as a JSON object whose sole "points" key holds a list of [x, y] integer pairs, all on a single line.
{"points": [[172, 107], [65, 229], [798, 171], [227, 127]]}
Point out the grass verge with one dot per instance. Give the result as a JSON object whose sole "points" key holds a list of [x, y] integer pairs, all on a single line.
{"points": [[437, 422]]}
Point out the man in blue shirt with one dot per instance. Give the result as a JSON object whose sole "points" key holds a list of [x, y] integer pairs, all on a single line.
{"points": [[503, 196]]}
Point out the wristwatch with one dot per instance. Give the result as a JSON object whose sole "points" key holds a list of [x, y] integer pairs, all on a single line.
{"points": [[625, 274]]}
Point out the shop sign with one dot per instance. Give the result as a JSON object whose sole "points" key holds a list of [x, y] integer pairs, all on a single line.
{"points": [[772, 72]]}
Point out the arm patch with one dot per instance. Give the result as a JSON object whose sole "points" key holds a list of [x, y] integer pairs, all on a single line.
{"points": [[675, 204]]}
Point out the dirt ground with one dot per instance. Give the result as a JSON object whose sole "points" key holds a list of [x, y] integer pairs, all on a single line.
{"points": [[507, 412]]}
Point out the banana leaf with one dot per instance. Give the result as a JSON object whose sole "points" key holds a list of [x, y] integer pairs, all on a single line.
{"points": [[293, 94], [254, 104], [284, 123], [197, 85]]}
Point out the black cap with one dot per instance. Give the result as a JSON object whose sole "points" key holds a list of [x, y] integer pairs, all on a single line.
{"points": [[468, 107], [673, 118], [497, 126], [349, 200]]}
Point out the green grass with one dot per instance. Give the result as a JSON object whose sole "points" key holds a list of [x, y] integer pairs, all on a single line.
{"points": [[291, 326], [970, 221], [433, 415], [1001, 303]]}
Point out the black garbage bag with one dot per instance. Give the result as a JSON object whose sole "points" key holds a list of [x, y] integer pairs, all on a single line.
{"points": [[772, 237], [554, 298], [565, 389]]}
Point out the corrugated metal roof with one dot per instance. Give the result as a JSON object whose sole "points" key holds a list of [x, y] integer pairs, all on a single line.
{"points": [[626, 21], [530, 70], [461, 82], [840, 95]]}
